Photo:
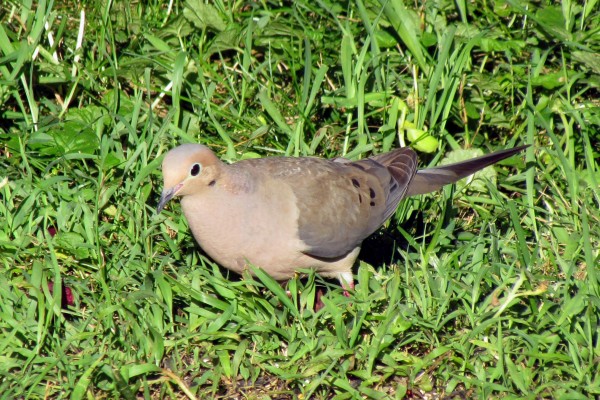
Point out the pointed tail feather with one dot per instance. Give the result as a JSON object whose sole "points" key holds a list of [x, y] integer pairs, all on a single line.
{"points": [[432, 179]]}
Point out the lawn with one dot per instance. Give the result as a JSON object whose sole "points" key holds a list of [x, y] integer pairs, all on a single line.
{"points": [[484, 290]]}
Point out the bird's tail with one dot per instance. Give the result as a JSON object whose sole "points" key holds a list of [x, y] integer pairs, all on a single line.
{"points": [[432, 179]]}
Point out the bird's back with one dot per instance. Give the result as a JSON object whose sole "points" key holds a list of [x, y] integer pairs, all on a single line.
{"points": [[340, 202]]}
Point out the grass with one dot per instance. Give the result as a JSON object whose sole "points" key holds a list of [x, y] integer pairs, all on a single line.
{"points": [[488, 291]]}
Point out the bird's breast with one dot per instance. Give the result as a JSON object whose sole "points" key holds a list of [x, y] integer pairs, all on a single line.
{"points": [[240, 227]]}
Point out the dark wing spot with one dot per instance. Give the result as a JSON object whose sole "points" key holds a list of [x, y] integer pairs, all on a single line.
{"points": [[372, 193], [372, 204], [355, 182]]}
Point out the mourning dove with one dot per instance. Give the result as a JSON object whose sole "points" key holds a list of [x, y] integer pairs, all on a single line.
{"points": [[283, 214]]}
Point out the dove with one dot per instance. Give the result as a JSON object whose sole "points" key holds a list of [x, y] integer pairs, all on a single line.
{"points": [[285, 214]]}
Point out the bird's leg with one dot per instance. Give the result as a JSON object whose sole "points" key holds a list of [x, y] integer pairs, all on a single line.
{"points": [[318, 302], [347, 281]]}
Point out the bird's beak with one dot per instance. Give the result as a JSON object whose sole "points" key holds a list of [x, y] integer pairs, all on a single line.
{"points": [[167, 195]]}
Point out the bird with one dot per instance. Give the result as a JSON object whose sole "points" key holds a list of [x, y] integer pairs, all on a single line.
{"points": [[285, 214]]}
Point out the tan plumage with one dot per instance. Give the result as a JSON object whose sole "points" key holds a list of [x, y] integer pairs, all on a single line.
{"points": [[283, 214]]}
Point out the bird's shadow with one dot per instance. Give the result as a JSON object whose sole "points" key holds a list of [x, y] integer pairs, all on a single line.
{"points": [[382, 247]]}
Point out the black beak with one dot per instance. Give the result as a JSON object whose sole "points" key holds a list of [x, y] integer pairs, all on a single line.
{"points": [[167, 195]]}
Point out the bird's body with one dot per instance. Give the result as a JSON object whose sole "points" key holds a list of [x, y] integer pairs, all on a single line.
{"points": [[238, 212], [283, 214]]}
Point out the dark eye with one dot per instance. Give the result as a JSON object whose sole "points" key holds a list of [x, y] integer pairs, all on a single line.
{"points": [[196, 168]]}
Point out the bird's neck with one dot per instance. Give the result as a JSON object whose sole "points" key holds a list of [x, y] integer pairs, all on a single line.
{"points": [[237, 180]]}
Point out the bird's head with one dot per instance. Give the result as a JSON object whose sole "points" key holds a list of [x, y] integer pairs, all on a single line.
{"points": [[188, 169]]}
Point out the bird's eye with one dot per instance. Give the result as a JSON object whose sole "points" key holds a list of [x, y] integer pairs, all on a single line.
{"points": [[196, 168]]}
